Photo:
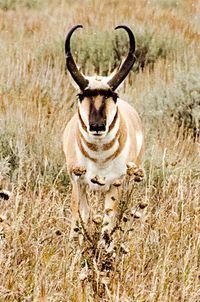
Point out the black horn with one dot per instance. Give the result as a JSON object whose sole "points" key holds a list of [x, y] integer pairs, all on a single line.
{"points": [[127, 64], [70, 64]]}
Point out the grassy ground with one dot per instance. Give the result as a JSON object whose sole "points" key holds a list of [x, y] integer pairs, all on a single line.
{"points": [[36, 101]]}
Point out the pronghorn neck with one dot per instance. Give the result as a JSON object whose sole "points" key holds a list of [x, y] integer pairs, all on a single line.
{"points": [[102, 150]]}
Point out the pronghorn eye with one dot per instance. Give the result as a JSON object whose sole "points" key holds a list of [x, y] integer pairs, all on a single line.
{"points": [[115, 96], [80, 97]]}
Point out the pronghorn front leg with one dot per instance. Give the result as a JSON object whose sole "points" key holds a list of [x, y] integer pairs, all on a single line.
{"points": [[79, 207], [110, 210], [79, 204]]}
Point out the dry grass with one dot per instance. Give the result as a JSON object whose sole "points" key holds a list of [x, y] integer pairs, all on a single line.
{"points": [[37, 261]]}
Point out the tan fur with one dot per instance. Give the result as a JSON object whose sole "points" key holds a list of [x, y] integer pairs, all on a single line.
{"points": [[98, 102]]}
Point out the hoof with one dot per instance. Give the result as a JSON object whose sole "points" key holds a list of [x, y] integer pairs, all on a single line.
{"points": [[79, 171], [98, 180]]}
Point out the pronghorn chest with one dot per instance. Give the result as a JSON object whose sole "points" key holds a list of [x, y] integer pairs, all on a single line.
{"points": [[109, 164]]}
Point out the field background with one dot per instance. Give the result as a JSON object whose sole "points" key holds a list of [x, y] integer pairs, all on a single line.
{"points": [[37, 100]]}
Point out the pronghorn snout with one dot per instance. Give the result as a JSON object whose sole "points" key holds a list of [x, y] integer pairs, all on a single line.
{"points": [[97, 120], [97, 128]]}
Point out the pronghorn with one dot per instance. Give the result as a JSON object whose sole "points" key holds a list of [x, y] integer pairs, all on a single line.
{"points": [[103, 136]]}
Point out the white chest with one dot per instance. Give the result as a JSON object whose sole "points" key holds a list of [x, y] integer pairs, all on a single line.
{"points": [[111, 170]]}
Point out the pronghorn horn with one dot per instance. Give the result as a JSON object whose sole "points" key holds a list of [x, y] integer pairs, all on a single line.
{"points": [[127, 64], [70, 64]]}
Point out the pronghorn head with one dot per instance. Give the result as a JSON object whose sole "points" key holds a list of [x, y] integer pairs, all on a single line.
{"points": [[97, 96]]}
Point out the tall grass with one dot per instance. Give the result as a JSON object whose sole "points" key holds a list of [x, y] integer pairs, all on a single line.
{"points": [[37, 261]]}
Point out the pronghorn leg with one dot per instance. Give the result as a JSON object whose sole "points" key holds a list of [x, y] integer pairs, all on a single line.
{"points": [[74, 211], [110, 210], [79, 207]]}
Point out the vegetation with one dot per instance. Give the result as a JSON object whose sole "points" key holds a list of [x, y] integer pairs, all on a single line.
{"points": [[37, 261]]}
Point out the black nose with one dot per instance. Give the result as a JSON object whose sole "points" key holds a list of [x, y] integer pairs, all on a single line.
{"points": [[97, 128]]}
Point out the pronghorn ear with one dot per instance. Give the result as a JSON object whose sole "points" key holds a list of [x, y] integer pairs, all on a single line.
{"points": [[113, 73]]}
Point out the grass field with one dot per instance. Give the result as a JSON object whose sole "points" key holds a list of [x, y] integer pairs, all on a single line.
{"points": [[37, 261]]}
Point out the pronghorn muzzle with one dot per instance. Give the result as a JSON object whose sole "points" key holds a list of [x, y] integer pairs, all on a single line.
{"points": [[117, 78], [97, 120], [97, 128]]}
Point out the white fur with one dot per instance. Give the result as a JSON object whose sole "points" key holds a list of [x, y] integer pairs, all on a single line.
{"points": [[111, 170], [139, 140], [98, 82], [84, 116]]}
